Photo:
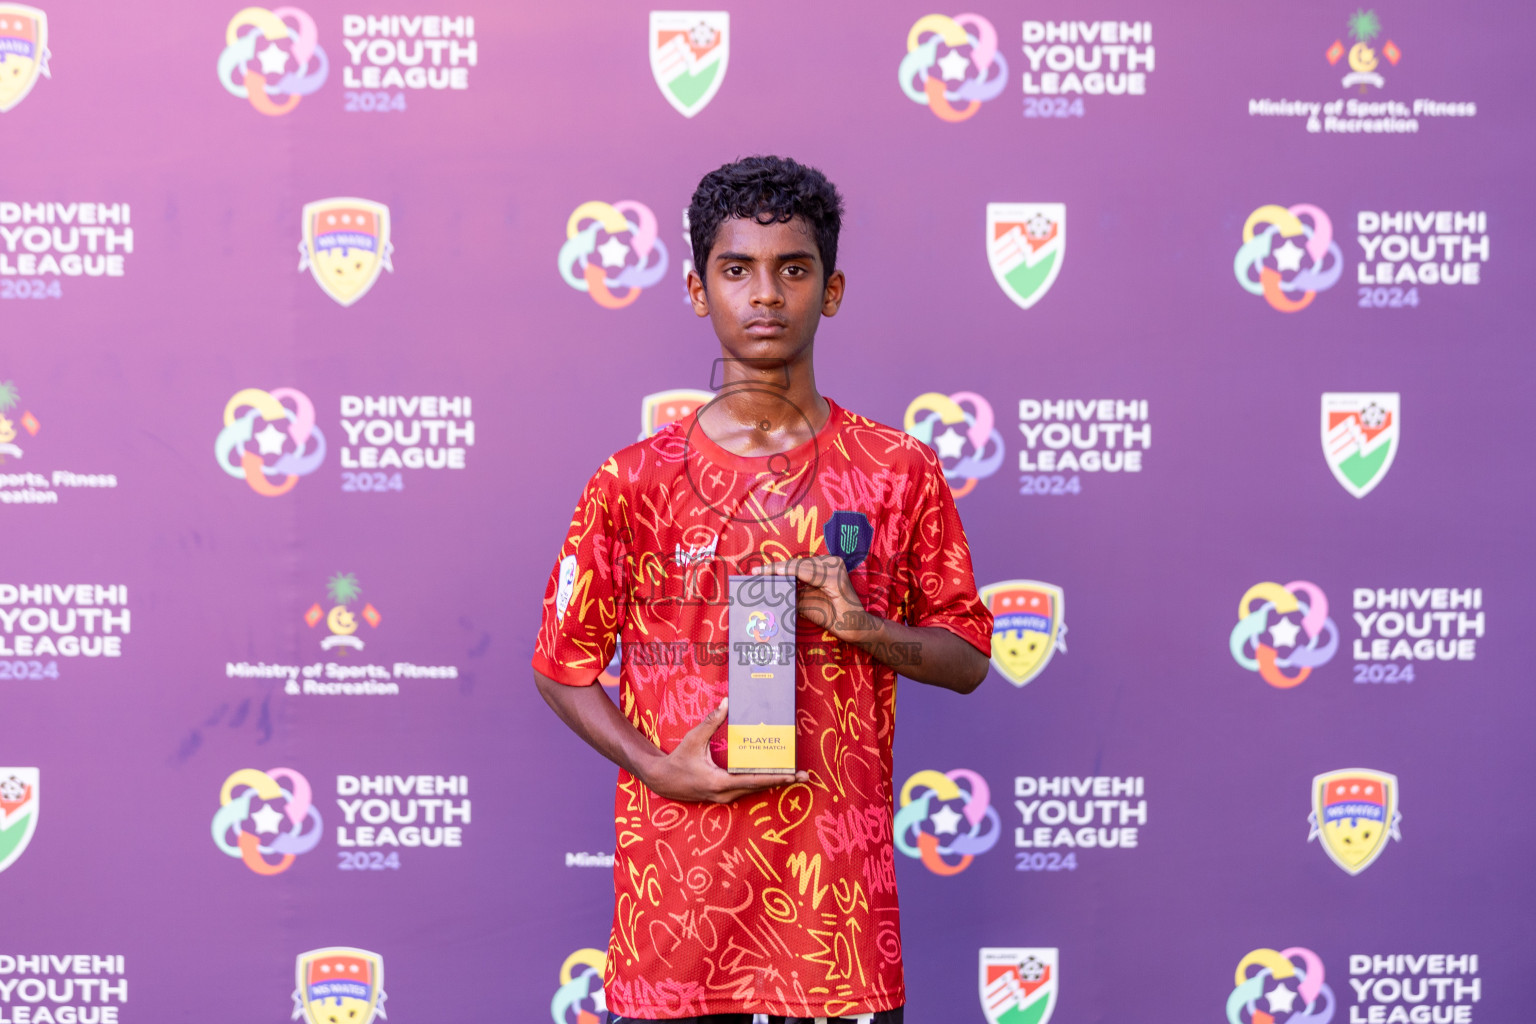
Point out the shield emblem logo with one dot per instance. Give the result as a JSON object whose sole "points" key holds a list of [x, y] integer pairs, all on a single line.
{"points": [[1360, 436], [18, 812], [345, 246], [848, 536], [23, 52], [1018, 986], [689, 52], [339, 983], [1354, 813], [1028, 627], [664, 407], [1026, 243]]}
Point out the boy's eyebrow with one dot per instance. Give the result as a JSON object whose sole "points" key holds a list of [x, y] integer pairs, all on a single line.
{"points": [[741, 257]]}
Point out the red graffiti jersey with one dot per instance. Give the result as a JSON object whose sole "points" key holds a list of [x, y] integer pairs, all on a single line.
{"points": [[784, 902]]}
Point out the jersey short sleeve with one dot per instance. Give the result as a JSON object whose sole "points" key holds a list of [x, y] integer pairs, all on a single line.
{"points": [[581, 614], [945, 591]]}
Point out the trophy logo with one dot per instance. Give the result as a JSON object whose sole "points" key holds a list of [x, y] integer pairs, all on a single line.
{"points": [[689, 53], [1354, 814], [1360, 437], [1018, 986], [346, 246], [23, 52], [1026, 243], [18, 812], [1028, 627], [339, 984], [667, 407]]}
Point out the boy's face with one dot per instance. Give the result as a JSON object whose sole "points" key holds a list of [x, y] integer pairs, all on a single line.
{"points": [[763, 289]]}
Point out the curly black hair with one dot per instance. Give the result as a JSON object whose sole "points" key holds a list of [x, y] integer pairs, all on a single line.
{"points": [[768, 189]]}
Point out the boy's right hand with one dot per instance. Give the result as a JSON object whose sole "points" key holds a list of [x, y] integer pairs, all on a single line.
{"points": [[690, 773]]}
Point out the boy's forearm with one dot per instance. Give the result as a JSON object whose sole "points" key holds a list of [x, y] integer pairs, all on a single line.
{"points": [[924, 654], [592, 715]]}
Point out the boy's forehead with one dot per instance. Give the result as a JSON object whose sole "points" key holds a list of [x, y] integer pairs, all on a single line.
{"points": [[745, 235]]}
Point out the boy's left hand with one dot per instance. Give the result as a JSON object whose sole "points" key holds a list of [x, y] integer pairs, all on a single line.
{"points": [[827, 597]]}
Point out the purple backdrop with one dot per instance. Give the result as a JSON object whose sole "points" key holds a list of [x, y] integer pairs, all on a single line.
{"points": [[121, 360]]}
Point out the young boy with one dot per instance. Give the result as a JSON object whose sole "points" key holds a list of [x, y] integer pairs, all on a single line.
{"points": [[759, 894]]}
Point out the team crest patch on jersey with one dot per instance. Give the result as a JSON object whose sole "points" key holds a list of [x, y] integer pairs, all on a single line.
{"points": [[1028, 627], [1026, 243], [1354, 813], [19, 789], [1018, 986], [689, 53], [23, 52], [339, 983], [667, 407], [848, 536], [1360, 436], [346, 246]]}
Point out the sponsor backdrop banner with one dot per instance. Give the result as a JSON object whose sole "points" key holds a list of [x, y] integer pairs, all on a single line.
{"points": [[314, 320]]}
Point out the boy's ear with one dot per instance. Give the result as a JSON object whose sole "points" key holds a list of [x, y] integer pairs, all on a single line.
{"points": [[832, 293], [696, 293]]}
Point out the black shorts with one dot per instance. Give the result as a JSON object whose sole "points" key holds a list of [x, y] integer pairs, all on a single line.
{"points": [[884, 1017]]}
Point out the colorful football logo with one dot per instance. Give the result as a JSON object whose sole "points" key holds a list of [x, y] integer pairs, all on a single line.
{"points": [[969, 448], [637, 264], [579, 999], [10, 397], [1261, 265], [1360, 436], [1028, 627], [1364, 27], [235, 818], [289, 433], [19, 799], [1300, 635], [946, 819], [689, 53], [1018, 986], [23, 52], [762, 626], [292, 63], [666, 407], [1026, 243], [346, 246], [339, 983], [342, 589], [969, 72], [1354, 814], [1291, 992]]}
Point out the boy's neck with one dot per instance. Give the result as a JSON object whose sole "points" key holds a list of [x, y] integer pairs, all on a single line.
{"points": [[765, 408]]}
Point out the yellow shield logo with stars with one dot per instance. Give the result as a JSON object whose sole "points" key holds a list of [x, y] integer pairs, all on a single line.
{"points": [[1027, 627], [666, 407], [345, 246], [23, 52], [1354, 813], [339, 985]]}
